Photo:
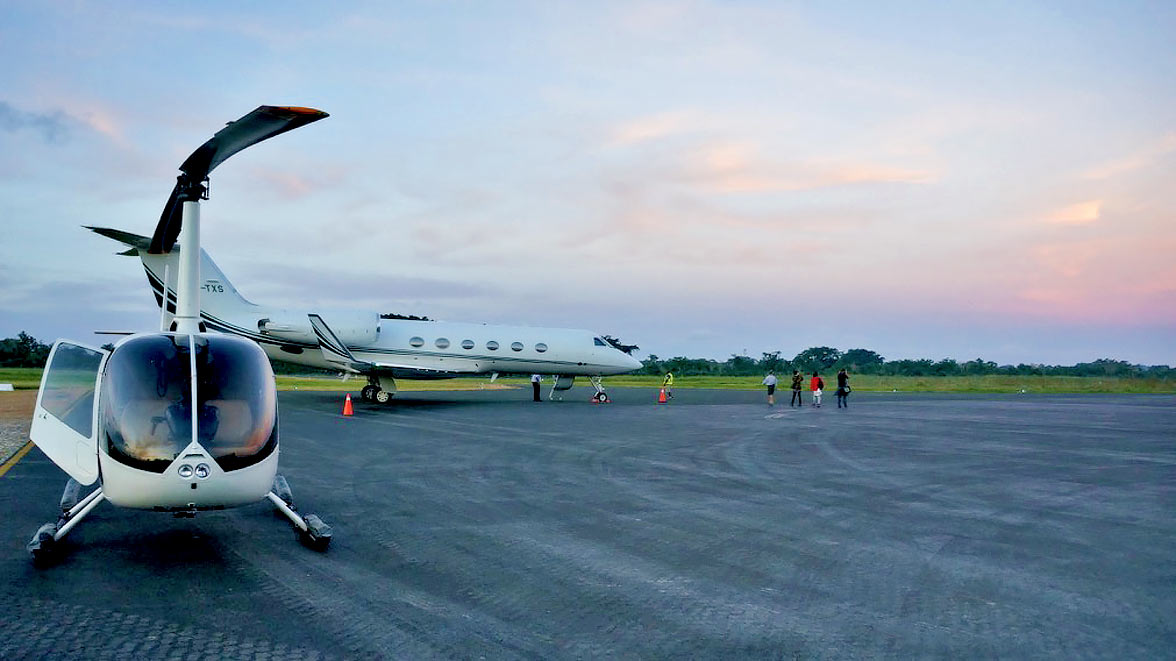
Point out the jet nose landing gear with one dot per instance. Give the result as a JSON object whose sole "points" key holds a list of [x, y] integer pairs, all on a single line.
{"points": [[600, 396]]}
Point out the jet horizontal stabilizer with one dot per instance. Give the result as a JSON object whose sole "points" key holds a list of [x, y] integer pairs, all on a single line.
{"points": [[135, 241]]}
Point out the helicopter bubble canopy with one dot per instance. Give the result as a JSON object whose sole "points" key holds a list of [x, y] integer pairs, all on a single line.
{"points": [[148, 390]]}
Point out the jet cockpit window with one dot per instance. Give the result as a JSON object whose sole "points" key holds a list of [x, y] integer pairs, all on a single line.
{"points": [[598, 342], [238, 411], [146, 401]]}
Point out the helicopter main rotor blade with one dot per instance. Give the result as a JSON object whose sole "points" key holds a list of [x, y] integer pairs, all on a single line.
{"points": [[263, 123]]}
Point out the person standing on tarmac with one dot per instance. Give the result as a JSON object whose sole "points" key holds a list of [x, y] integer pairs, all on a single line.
{"points": [[842, 388], [535, 381], [797, 384], [668, 384], [770, 382], [816, 384]]}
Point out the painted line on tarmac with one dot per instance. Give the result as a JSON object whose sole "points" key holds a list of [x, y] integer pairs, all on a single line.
{"points": [[17, 456]]}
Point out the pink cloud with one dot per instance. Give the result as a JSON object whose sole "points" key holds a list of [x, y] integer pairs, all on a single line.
{"points": [[1140, 159], [653, 127], [734, 167], [1076, 214], [1122, 278]]}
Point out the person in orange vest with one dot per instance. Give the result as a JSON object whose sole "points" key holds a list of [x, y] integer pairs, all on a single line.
{"points": [[816, 384]]}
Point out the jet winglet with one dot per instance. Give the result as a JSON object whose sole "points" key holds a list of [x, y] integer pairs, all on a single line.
{"points": [[332, 347]]}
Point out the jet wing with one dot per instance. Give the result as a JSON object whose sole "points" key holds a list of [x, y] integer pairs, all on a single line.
{"points": [[334, 351]]}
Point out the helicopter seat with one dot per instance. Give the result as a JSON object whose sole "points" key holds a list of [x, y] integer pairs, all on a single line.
{"points": [[234, 427], [145, 430]]}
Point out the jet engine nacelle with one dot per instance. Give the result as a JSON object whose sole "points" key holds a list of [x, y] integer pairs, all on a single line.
{"points": [[287, 326]]}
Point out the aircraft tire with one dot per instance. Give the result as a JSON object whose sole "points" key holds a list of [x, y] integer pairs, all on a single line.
{"points": [[368, 392], [382, 396]]}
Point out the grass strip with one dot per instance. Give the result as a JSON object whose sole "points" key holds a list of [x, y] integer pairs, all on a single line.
{"points": [[30, 378]]}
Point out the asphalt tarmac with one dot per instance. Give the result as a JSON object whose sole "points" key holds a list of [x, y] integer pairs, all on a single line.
{"points": [[482, 525]]}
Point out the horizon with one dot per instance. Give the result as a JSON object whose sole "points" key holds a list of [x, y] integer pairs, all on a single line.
{"points": [[700, 179]]}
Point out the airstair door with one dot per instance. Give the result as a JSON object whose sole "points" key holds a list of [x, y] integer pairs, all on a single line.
{"points": [[65, 422]]}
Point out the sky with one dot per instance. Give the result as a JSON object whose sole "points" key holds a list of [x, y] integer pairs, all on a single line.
{"points": [[926, 180]]}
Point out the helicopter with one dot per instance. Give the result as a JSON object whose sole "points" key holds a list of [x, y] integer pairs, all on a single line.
{"points": [[180, 420]]}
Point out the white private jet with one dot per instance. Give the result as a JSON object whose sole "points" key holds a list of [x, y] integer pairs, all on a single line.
{"points": [[381, 347]]}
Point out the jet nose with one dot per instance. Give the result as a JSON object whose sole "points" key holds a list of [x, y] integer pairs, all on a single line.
{"points": [[632, 363]]}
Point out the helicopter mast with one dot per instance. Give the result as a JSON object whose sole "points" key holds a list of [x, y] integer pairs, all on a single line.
{"points": [[187, 319]]}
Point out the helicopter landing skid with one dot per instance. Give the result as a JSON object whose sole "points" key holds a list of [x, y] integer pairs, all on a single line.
{"points": [[44, 544], [311, 530]]}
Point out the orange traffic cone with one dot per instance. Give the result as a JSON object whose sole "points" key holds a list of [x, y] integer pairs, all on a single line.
{"points": [[347, 405], [661, 399]]}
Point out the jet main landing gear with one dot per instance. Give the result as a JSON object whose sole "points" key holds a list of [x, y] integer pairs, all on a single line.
{"points": [[374, 392]]}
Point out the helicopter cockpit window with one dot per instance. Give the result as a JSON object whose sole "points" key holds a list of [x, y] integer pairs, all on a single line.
{"points": [[238, 409], [146, 401], [68, 391]]}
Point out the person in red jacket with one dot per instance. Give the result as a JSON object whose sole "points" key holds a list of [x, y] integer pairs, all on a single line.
{"points": [[816, 384]]}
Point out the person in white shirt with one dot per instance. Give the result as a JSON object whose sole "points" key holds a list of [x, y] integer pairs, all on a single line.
{"points": [[770, 382], [535, 380]]}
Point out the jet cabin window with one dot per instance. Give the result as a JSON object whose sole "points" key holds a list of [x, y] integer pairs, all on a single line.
{"points": [[467, 344], [516, 346], [147, 401], [442, 343], [540, 347], [417, 341], [492, 345]]}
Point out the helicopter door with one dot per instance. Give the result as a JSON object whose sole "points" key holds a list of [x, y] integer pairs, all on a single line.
{"points": [[65, 422]]}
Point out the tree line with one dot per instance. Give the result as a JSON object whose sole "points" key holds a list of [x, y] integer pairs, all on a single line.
{"points": [[864, 361], [25, 351]]}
